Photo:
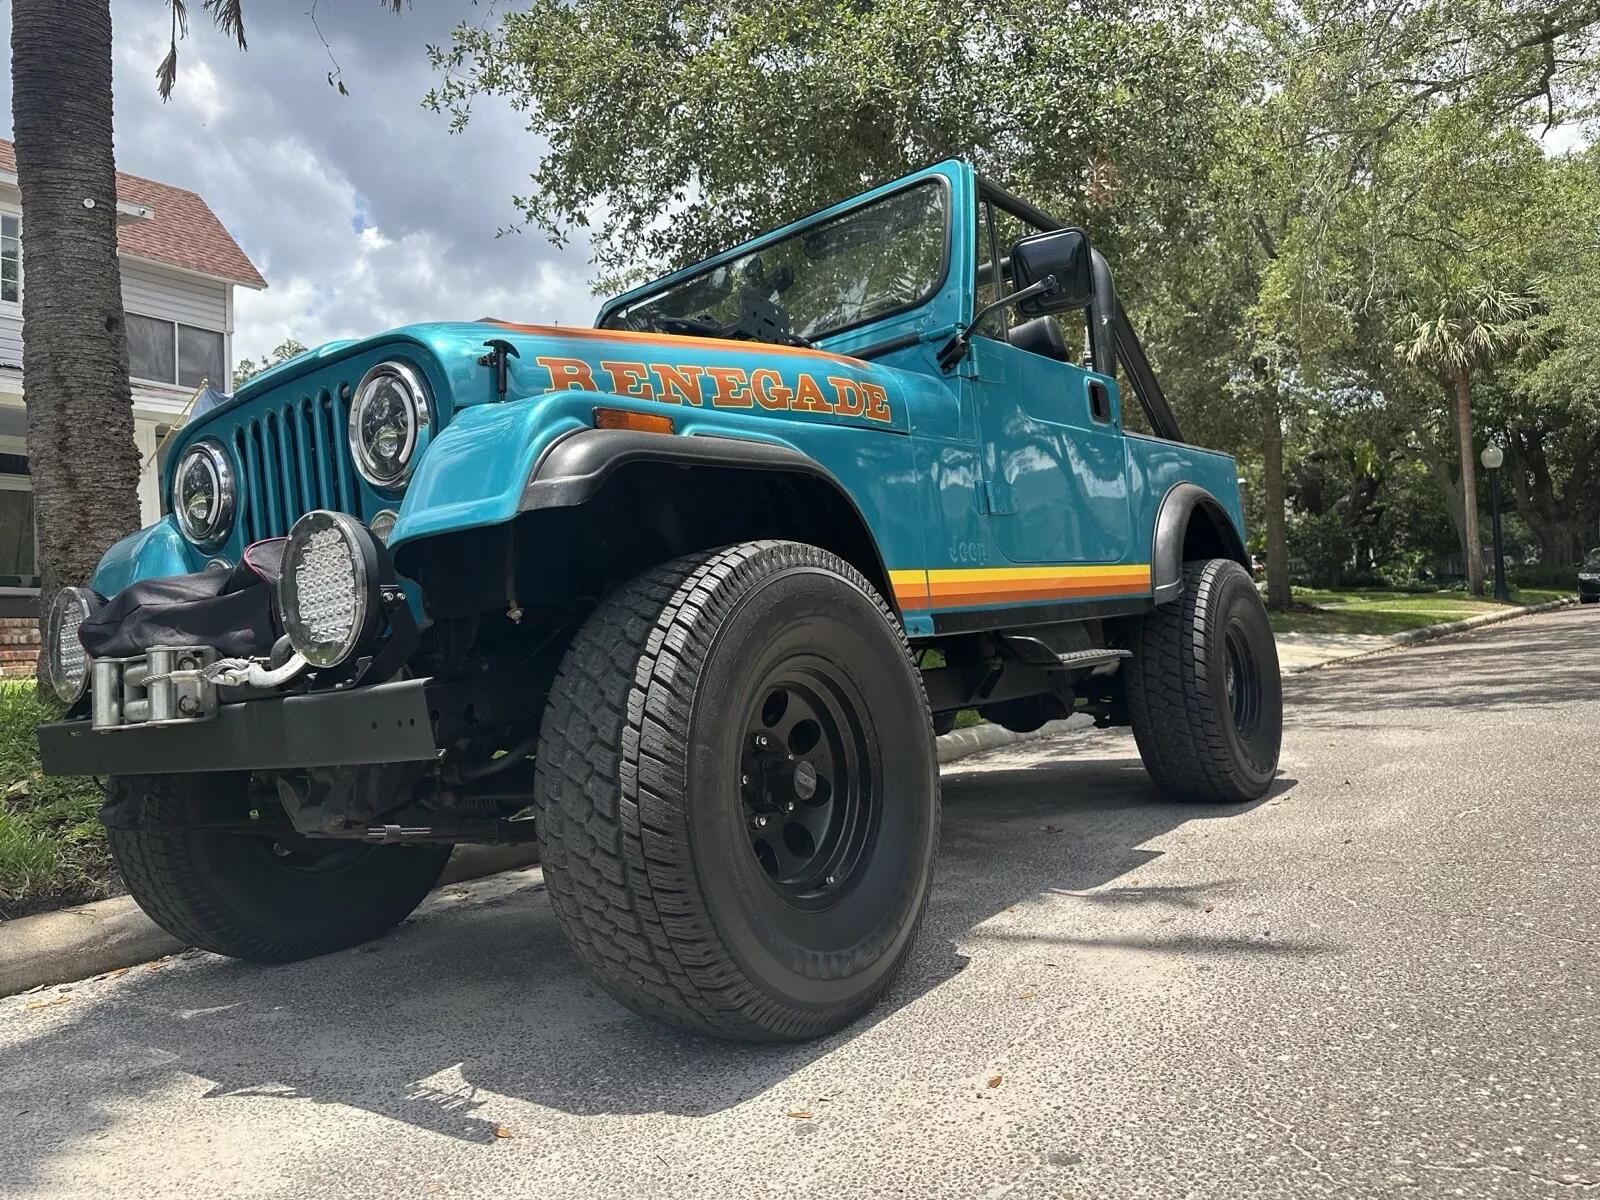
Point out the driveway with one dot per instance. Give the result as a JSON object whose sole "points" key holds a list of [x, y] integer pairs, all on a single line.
{"points": [[1380, 981]]}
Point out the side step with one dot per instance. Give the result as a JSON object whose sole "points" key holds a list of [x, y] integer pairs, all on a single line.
{"points": [[1037, 652], [1078, 659]]}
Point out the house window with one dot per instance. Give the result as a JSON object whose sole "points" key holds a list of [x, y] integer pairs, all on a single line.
{"points": [[10, 259], [166, 352], [18, 560]]}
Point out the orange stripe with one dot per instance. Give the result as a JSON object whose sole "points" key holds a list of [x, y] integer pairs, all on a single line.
{"points": [[680, 341]]}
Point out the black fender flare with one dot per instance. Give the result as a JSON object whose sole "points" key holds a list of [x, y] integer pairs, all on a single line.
{"points": [[572, 470], [1179, 507]]}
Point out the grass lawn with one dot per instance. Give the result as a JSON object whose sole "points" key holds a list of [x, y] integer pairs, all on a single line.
{"points": [[1384, 612], [52, 848]]}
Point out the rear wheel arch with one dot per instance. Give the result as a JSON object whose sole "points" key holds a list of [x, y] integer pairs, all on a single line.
{"points": [[1191, 525]]}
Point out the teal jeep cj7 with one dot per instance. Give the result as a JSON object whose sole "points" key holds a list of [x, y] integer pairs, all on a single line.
{"points": [[685, 596]]}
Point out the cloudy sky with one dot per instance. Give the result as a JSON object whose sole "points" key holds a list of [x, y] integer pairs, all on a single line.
{"points": [[362, 211]]}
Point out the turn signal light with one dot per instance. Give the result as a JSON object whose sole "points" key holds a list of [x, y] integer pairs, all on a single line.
{"points": [[622, 418]]}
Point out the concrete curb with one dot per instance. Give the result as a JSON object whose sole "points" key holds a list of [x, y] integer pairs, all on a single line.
{"points": [[77, 943], [1428, 633]]}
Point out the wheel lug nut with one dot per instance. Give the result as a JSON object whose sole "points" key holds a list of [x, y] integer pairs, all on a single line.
{"points": [[789, 807], [759, 822], [828, 881]]}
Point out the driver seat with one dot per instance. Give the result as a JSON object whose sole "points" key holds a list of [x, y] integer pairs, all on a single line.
{"points": [[1042, 335]]}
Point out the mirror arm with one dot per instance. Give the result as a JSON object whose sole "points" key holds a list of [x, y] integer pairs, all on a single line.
{"points": [[956, 348]]}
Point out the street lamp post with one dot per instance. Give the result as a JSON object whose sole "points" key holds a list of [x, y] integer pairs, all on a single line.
{"points": [[1493, 456]]}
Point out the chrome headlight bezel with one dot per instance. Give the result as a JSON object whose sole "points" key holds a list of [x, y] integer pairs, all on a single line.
{"points": [[71, 605], [408, 382], [211, 455], [331, 529]]}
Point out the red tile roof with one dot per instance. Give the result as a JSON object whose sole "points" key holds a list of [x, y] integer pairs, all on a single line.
{"points": [[184, 232]]}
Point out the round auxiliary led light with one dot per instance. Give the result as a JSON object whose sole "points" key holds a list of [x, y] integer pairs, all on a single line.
{"points": [[204, 494], [329, 594], [388, 418], [382, 524], [66, 661]]}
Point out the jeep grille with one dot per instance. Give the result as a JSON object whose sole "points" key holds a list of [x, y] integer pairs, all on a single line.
{"points": [[294, 456]]}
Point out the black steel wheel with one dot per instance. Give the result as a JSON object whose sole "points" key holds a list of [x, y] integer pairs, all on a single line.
{"points": [[810, 798], [737, 793], [267, 898], [1204, 694]]}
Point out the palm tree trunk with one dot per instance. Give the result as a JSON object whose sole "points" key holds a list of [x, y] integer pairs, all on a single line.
{"points": [[1469, 482], [1278, 593], [75, 353]]}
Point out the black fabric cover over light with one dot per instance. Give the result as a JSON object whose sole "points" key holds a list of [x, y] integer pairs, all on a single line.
{"points": [[232, 611]]}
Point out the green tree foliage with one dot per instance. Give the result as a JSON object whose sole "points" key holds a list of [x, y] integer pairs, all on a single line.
{"points": [[1303, 200], [248, 368], [676, 129]]}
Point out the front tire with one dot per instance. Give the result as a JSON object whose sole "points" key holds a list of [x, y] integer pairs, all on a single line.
{"points": [[1204, 694], [737, 793], [259, 898]]}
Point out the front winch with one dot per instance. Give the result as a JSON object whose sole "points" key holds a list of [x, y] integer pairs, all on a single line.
{"points": [[166, 685]]}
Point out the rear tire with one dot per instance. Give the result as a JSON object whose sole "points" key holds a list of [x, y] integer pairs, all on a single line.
{"points": [[1204, 694], [737, 795], [257, 898]]}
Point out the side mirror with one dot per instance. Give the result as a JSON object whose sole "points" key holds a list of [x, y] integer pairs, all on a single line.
{"points": [[1063, 253]]}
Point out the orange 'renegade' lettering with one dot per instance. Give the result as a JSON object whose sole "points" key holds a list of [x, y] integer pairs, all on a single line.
{"points": [[630, 379], [568, 374], [877, 403], [851, 403], [679, 385], [767, 384], [809, 397], [731, 391]]}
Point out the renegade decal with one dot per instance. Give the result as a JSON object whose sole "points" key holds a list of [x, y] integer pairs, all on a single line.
{"points": [[726, 387]]}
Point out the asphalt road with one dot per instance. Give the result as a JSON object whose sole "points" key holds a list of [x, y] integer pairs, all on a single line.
{"points": [[1381, 981]]}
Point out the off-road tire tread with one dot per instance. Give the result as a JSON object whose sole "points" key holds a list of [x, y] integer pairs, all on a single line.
{"points": [[1179, 731], [617, 862], [160, 874]]}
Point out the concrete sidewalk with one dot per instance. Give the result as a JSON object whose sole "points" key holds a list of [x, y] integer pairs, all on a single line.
{"points": [[1306, 651]]}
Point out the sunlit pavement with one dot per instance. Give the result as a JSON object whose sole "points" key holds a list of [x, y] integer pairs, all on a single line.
{"points": [[1379, 981]]}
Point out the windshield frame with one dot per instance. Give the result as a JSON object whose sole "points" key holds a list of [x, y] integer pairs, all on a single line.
{"points": [[843, 209]]}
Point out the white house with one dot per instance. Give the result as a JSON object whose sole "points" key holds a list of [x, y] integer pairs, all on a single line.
{"points": [[179, 270]]}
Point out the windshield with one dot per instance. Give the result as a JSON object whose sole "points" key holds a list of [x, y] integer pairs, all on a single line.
{"points": [[867, 263], [1591, 560]]}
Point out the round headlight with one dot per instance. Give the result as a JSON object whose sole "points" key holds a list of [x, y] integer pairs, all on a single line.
{"points": [[66, 661], [328, 594], [203, 494], [387, 420]]}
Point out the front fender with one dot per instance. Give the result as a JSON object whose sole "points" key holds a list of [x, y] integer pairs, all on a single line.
{"points": [[475, 469], [154, 552], [490, 462]]}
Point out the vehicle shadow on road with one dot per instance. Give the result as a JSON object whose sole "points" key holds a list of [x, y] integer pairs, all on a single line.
{"points": [[487, 998]]}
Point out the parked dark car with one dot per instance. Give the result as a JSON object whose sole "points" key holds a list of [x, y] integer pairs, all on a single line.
{"points": [[1589, 577]]}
